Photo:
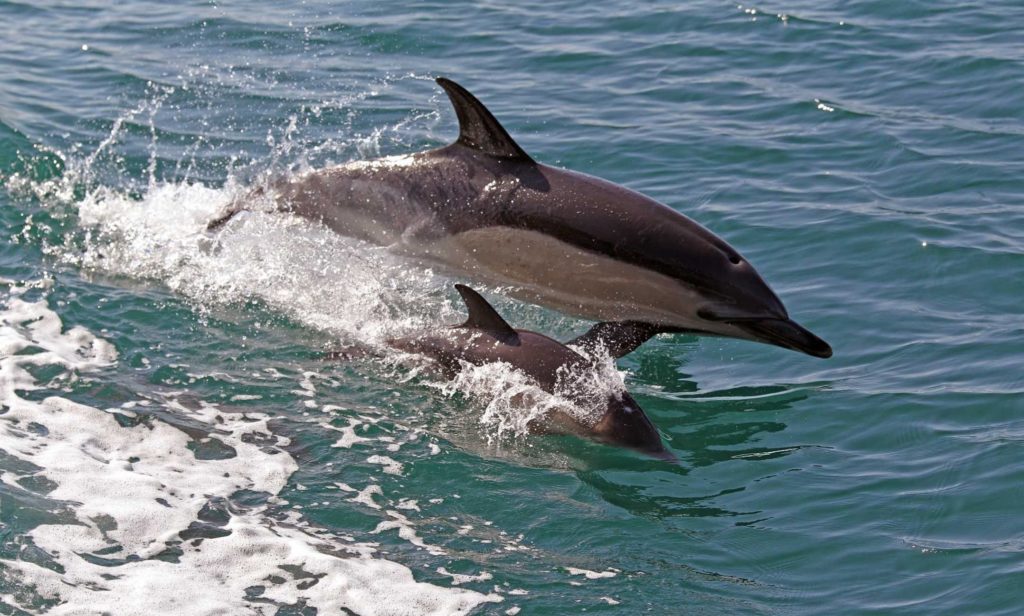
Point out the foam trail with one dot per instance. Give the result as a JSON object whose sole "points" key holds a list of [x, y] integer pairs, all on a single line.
{"points": [[131, 517]]}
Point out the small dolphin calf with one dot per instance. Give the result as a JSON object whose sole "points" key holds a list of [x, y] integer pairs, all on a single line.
{"points": [[483, 208], [485, 338]]}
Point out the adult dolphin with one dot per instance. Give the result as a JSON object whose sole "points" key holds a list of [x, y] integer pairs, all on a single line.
{"points": [[611, 417], [485, 209]]}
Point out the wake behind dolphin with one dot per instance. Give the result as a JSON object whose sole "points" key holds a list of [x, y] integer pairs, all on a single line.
{"points": [[483, 208]]}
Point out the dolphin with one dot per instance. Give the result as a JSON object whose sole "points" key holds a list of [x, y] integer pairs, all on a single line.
{"points": [[486, 338], [484, 209]]}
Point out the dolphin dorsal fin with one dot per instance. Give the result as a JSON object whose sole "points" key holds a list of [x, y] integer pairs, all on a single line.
{"points": [[484, 317], [478, 129]]}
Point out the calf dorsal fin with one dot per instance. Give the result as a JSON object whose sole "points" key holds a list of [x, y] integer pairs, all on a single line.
{"points": [[483, 317], [478, 129]]}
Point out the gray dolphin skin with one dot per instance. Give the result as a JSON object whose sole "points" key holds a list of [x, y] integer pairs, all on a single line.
{"points": [[484, 209], [486, 338]]}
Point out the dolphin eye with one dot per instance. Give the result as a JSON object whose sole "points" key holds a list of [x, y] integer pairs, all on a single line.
{"points": [[732, 255]]}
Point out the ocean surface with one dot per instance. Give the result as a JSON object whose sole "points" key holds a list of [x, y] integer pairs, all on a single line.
{"points": [[173, 439]]}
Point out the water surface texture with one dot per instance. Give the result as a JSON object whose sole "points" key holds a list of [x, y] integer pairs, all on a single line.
{"points": [[173, 441]]}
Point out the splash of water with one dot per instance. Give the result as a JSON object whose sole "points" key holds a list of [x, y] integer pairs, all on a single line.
{"points": [[356, 293]]}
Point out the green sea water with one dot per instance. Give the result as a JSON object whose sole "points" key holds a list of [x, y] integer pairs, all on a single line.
{"points": [[173, 440]]}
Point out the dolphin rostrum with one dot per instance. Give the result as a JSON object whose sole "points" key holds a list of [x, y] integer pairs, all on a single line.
{"points": [[483, 208], [486, 338]]}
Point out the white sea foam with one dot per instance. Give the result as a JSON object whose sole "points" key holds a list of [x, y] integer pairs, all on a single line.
{"points": [[133, 542], [365, 496], [406, 531], [462, 578], [348, 434], [592, 575], [408, 504], [388, 465]]}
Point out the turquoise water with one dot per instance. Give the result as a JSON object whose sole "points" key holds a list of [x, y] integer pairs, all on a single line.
{"points": [[865, 156]]}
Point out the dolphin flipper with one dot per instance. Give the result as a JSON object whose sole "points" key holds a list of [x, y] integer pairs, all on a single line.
{"points": [[478, 129], [619, 338], [484, 317]]}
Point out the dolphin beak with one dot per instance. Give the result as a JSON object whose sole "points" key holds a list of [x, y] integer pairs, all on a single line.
{"points": [[785, 333]]}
